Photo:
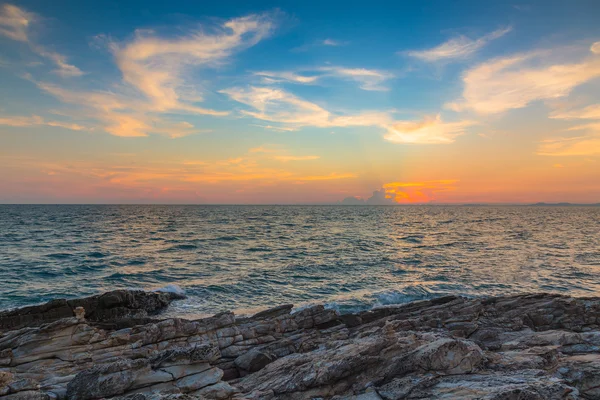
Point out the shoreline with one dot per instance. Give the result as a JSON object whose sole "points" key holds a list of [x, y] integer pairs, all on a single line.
{"points": [[116, 345]]}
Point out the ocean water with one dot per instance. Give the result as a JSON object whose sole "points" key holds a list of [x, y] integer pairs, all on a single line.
{"points": [[246, 258]]}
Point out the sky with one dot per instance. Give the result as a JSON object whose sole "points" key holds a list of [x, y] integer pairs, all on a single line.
{"points": [[288, 102]]}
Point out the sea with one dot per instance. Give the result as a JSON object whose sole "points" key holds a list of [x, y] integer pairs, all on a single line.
{"points": [[248, 258]]}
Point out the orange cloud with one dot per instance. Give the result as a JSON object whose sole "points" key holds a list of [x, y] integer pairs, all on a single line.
{"points": [[417, 192], [428, 131], [295, 158], [21, 121]]}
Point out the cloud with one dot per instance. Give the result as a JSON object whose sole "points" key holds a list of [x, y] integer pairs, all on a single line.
{"points": [[431, 130], [64, 68], [394, 193], [155, 66], [295, 158], [516, 81], [588, 145], [380, 198], [252, 174], [277, 105], [23, 121], [248, 172], [276, 77], [279, 153], [589, 112], [15, 24], [277, 128], [265, 149], [331, 42], [118, 115], [328, 42], [331, 177], [154, 72], [367, 79], [417, 192], [457, 48]]}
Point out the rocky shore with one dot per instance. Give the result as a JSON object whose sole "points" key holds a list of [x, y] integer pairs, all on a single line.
{"points": [[116, 346]]}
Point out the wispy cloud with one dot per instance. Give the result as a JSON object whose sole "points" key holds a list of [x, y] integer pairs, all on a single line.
{"points": [[460, 47], [15, 24], [155, 82], [155, 66], [277, 105], [265, 148], [64, 68], [516, 81], [431, 130], [367, 79], [277, 128], [276, 77], [328, 42], [24, 121], [586, 145], [332, 42], [589, 112], [295, 158], [279, 153], [228, 180]]}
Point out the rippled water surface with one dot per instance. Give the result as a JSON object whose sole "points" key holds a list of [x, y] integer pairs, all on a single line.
{"points": [[251, 257]]}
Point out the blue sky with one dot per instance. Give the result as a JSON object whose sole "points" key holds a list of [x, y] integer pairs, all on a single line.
{"points": [[261, 102]]}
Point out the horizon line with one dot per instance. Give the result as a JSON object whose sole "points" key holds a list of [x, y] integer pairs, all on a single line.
{"points": [[312, 204]]}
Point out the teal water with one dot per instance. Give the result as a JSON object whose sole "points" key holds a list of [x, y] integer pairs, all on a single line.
{"points": [[251, 257]]}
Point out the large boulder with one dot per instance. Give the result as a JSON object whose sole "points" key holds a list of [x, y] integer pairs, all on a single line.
{"points": [[108, 307]]}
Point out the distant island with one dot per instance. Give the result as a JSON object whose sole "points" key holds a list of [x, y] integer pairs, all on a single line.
{"points": [[378, 200]]}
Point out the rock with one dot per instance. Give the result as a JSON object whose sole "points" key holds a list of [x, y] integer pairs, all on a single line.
{"points": [[535, 346], [254, 360], [104, 380], [27, 395], [450, 356], [583, 372], [218, 391], [115, 305], [525, 385]]}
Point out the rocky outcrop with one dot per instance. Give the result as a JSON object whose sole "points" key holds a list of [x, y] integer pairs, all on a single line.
{"points": [[515, 347], [118, 306]]}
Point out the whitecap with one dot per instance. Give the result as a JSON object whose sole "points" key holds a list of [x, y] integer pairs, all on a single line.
{"points": [[172, 288]]}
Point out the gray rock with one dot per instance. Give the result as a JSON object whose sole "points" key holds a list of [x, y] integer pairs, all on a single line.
{"points": [[254, 360], [111, 306], [536, 346]]}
